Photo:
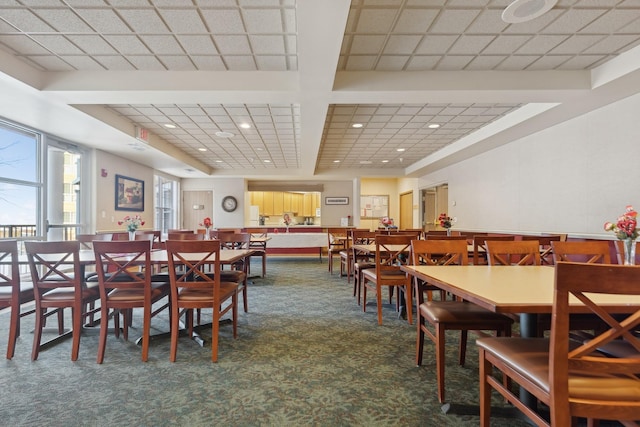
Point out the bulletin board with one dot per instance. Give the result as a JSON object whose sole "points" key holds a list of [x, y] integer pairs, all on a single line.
{"points": [[374, 206]]}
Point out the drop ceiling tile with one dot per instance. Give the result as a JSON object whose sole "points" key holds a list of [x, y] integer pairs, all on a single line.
{"points": [[415, 20], [25, 21], [104, 21], [224, 21], [450, 63], [267, 44], [485, 62], [51, 63], [177, 62], [489, 21], [57, 44], [576, 43], [184, 21], [233, 45], [162, 44], [540, 45], [144, 21], [392, 63], [436, 44], [454, 21], [240, 63], [142, 62], [25, 45], [575, 21], [367, 44], [401, 44], [470, 45], [517, 63], [63, 20], [375, 21], [263, 21], [128, 45], [92, 44], [421, 63], [505, 45]]}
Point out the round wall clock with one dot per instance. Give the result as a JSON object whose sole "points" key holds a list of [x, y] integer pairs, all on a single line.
{"points": [[229, 203]]}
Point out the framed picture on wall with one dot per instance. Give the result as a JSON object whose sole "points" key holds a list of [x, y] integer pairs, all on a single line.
{"points": [[129, 194], [336, 200]]}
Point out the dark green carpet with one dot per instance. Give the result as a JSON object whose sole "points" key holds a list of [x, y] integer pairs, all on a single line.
{"points": [[306, 355]]}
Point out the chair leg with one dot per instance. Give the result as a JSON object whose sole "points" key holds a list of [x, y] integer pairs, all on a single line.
{"points": [[485, 390], [462, 354], [76, 314], [419, 338], [37, 333], [14, 331], [104, 328], [440, 347], [379, 302]]}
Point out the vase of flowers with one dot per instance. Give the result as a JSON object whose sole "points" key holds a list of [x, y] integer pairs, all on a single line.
{"points": [[132, 223], [446, 222], [207, 223], [625, 229]]}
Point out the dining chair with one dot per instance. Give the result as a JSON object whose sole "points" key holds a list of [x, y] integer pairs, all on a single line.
{"points": [[239, 270], [336, 242], [197, 284], [345, 255], [515, 252], [392, 252], [258, 246], [546, 250], [185, 236], [124, 278], [360, 260], [444, 315], [14, 292], [59, 283], [480, 246], [572, 378]]}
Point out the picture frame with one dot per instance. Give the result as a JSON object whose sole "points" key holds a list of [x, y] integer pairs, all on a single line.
{"points": [[336, 200], [129, 194]]}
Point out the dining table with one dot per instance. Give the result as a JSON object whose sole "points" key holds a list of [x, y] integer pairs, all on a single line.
{"points": [[523, 290]]}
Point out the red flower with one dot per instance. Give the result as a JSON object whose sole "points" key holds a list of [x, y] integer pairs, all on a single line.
{"points": [[626, 225], [207, 222]]}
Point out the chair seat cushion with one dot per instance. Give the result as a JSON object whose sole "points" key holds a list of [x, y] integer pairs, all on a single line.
{"points": [[120, 294], [68, 294], [530, 358], [462, 313], [26, 293], [205, 294], [363, 265]]}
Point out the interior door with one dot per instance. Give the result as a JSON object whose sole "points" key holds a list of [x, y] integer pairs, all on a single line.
{"points": [[196, 206], [406, 210]]}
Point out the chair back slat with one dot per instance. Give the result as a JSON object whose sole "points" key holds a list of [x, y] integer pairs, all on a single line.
{"points": [[517, 252]]}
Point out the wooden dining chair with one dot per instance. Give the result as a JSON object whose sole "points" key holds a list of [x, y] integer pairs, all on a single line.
{"points": [[546, 250], [516, 252], [572, 378], [14, 292], [59, 283], [480, 247], [392, 251], [124, 278], [448, 315], [185, 236], [360, 260], [197, 284], [258, 245], [239, 271], [336, 242]]}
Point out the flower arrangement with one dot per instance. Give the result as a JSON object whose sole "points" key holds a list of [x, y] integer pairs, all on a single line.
{"points": [[206, 223], [445, 220], [387, 222], [625, 226], [132, 222], [286, 219]]}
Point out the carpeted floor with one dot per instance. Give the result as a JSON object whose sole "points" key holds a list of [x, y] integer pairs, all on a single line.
{"points": [[306, 355]]}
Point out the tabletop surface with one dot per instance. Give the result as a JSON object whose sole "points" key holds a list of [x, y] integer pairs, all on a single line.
{"points": [[508, 289]]}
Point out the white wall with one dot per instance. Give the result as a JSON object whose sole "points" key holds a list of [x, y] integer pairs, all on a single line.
{"points": [[570, 178]]}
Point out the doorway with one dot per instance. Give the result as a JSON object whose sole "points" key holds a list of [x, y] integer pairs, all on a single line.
{"points": [[435, 200], [406, 210]]}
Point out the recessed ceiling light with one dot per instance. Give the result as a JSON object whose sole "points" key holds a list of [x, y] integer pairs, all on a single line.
{"points": [[526, 10], [267, 161], [169, 125], [385, 161], [219, 161], [365, 162], [245, 125], [202, 149], [357, 125], [400, 150], [223, 134], [336, 161], [433, 126]]}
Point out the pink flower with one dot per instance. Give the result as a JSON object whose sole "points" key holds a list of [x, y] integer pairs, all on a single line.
{"points": [[207, 222]]}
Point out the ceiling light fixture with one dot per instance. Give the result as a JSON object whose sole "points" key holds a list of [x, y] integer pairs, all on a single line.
{"points": [[245, 125], [357, 125], [433, 126], [223, 134], [336, 161], [202, 149], [365, 162], [385, 161], [169, 125], [526, 10], [267, 161], [400, 150]]}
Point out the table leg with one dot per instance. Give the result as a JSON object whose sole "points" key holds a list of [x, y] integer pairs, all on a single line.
{"points": [[528, 329]]}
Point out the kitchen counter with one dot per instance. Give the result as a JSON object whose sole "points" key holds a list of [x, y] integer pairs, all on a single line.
{"points": [[296, 242]]}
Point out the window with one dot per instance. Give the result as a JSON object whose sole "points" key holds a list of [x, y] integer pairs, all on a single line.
{"points": [[166, 203], [20, 182]]}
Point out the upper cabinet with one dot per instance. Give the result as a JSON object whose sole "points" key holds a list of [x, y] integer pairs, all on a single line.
{"points": [[276, 203]]}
